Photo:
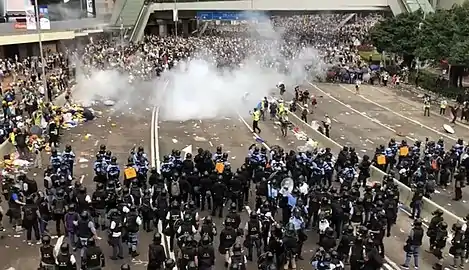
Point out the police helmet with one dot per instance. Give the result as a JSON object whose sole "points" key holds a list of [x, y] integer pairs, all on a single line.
{"points": [[205, 240], [418, 222], [192, 205], [46, 240], [208, 220], [189, 239], [102, 147], [237, 247], [157, 238], [68, 148], [60, 193], [113, 159], [169, 263], [140, 149], [84, 215], [188, 156], [191, 266], [64, 248], [443, 225], [349, 229], [233, 206]]}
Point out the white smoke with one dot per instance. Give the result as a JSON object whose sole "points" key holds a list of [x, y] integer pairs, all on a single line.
{"points": [[196, 89]]}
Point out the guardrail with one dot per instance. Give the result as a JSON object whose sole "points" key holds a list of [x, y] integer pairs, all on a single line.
{"points": [[377, 175]]}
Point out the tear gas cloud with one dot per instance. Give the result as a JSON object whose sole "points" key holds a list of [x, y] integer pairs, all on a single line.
{"points": [[196, 89]]}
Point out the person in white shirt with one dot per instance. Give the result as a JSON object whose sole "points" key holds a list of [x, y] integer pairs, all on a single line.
{"points": [[327, 125]]}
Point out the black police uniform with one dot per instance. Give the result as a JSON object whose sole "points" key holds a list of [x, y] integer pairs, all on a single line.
{"points": [[156, 257], [254, 230], [93, 257], [64, 262], [206, 257], [47, 257]]}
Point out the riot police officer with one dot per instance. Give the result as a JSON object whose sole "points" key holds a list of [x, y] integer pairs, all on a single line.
{"points": [[94, 257], [253, 230], [86, 230], [65, 260], [133, 225], [290, 242], [208, 228], [206, 253], [237, 258], [156, 254], [47, 254]]}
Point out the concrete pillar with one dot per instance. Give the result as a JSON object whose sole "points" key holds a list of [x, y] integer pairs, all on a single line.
{"points": [[163, 30], [185, 28]]}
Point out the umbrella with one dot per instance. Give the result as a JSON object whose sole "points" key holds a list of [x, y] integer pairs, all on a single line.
{"points": [[36, 130]]}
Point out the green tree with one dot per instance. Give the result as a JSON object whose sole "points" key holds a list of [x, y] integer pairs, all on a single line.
{"points": [[443, 36], [398, 35]]}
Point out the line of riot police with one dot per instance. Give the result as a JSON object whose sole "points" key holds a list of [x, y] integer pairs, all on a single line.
{"points": [[303, 186]]}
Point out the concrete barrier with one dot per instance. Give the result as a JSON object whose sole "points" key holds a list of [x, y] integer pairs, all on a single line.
{"points": [[377, 175]]}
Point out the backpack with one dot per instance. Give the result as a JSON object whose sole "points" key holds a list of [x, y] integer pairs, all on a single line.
{"points": [[29, 213], [175, 191], [59, 206]]}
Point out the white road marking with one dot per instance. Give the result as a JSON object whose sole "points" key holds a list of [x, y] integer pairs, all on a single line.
{"points": [[411, 104], [358, 112], [155, 162], [400, 115]]}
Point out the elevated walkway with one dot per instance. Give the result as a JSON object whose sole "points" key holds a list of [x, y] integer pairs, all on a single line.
{"points": [[281, 5], [140, 18]]}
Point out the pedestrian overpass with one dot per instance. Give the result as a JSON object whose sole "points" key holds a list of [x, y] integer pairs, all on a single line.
{"points": [[134, 14]]}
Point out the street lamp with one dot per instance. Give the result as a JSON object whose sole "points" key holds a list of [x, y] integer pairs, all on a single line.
{"points": [[175, 18], [122, 35], [43, 63]]}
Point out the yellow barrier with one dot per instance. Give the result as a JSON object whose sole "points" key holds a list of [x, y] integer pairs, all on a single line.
{"points": [[376, 175]]}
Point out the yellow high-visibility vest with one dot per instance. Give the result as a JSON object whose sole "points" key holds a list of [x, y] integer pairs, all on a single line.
{"points": [[37, 118], [256, 116], [13, 138]]}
